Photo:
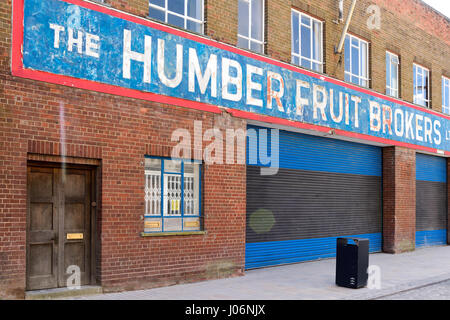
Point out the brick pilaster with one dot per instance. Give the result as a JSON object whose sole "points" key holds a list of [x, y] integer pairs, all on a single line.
{"points": [[399, 199]]}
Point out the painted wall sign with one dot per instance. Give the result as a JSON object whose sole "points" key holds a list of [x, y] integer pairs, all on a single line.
{"points": [[82, 44]]}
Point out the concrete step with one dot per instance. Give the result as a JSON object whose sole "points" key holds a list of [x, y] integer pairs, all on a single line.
{"points": [[58, 293]]}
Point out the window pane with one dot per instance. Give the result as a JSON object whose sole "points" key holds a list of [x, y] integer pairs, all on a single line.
{"points": [[243, 43], [447, 93], [364, 83], [176, 6], [295, 60], [194, 26], [419, 83], [317, 41], [355, 80], [306, 20], [153, 193], [305, 42], [153, 164], [175, 20], [194, 9], [243, 16], [306, 63], [443, 93], [172, 194], [347, 55], [355, 61], [172, 166], [191, 191], [295, 36], [160, 3], [257, 20], [394, 75], [347, 77], [157, 14], [388, 71], [316, 67], [363, 59], [425, 86], [257, 47]]}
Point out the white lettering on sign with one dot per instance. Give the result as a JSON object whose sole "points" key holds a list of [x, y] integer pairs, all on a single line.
{"points": [[75, 38], [301, 102], [228, 79], [210, 74], [315, 101], [251, 85], [176, 80], [129, 55]]}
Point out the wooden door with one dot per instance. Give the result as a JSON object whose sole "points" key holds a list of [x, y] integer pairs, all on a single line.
{"points": [[58, 226]]}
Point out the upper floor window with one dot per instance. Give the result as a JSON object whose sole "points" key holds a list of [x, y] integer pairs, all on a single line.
{"points": [[186, 14], [251, 25], [421, 82], [172, 195], [446, 95], [392, 63], [356, 61], [306, 41]]}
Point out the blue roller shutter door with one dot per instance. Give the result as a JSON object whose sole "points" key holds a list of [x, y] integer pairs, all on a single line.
{"points": [[324, 189], [431, 200]]}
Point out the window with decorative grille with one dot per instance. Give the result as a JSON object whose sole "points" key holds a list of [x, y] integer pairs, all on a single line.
{"points": [[172, 195]]}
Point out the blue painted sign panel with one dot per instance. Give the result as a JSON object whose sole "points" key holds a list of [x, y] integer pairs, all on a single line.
{"points": [[72, 39]]}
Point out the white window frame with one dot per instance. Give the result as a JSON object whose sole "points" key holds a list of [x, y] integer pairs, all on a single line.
{"points": [[349, 73], [185, 17], [249, 38], [445, 102], [422, 70], [390, 90], [299, 55]]}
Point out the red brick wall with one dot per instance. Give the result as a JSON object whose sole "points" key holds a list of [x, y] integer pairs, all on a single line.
{"points": [[399, 199]]}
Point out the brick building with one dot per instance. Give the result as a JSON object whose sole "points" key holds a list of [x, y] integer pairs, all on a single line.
{"points": [[92, 93]]}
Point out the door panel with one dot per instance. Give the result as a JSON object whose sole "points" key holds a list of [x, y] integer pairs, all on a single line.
{"points": [[42, 229], [77, 204], [59, 204]]}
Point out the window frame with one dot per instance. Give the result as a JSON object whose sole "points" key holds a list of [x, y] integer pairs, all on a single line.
{"points": [[162, 214], [427, 101], [445, 83], [185, 17], [389, 88], [350, 73], [320, 41], [263, 27]]}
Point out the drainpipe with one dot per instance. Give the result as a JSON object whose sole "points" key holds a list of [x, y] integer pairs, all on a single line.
{"points": [[344, 32]]}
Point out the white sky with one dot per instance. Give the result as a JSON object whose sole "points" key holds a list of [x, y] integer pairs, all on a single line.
{"points": [[441, 5]]}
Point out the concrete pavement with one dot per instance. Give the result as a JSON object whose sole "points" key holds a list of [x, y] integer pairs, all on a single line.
{"points": [[308, 281]]}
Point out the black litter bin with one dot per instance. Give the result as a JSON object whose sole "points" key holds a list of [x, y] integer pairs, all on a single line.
{"points": [[352, 261]]}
